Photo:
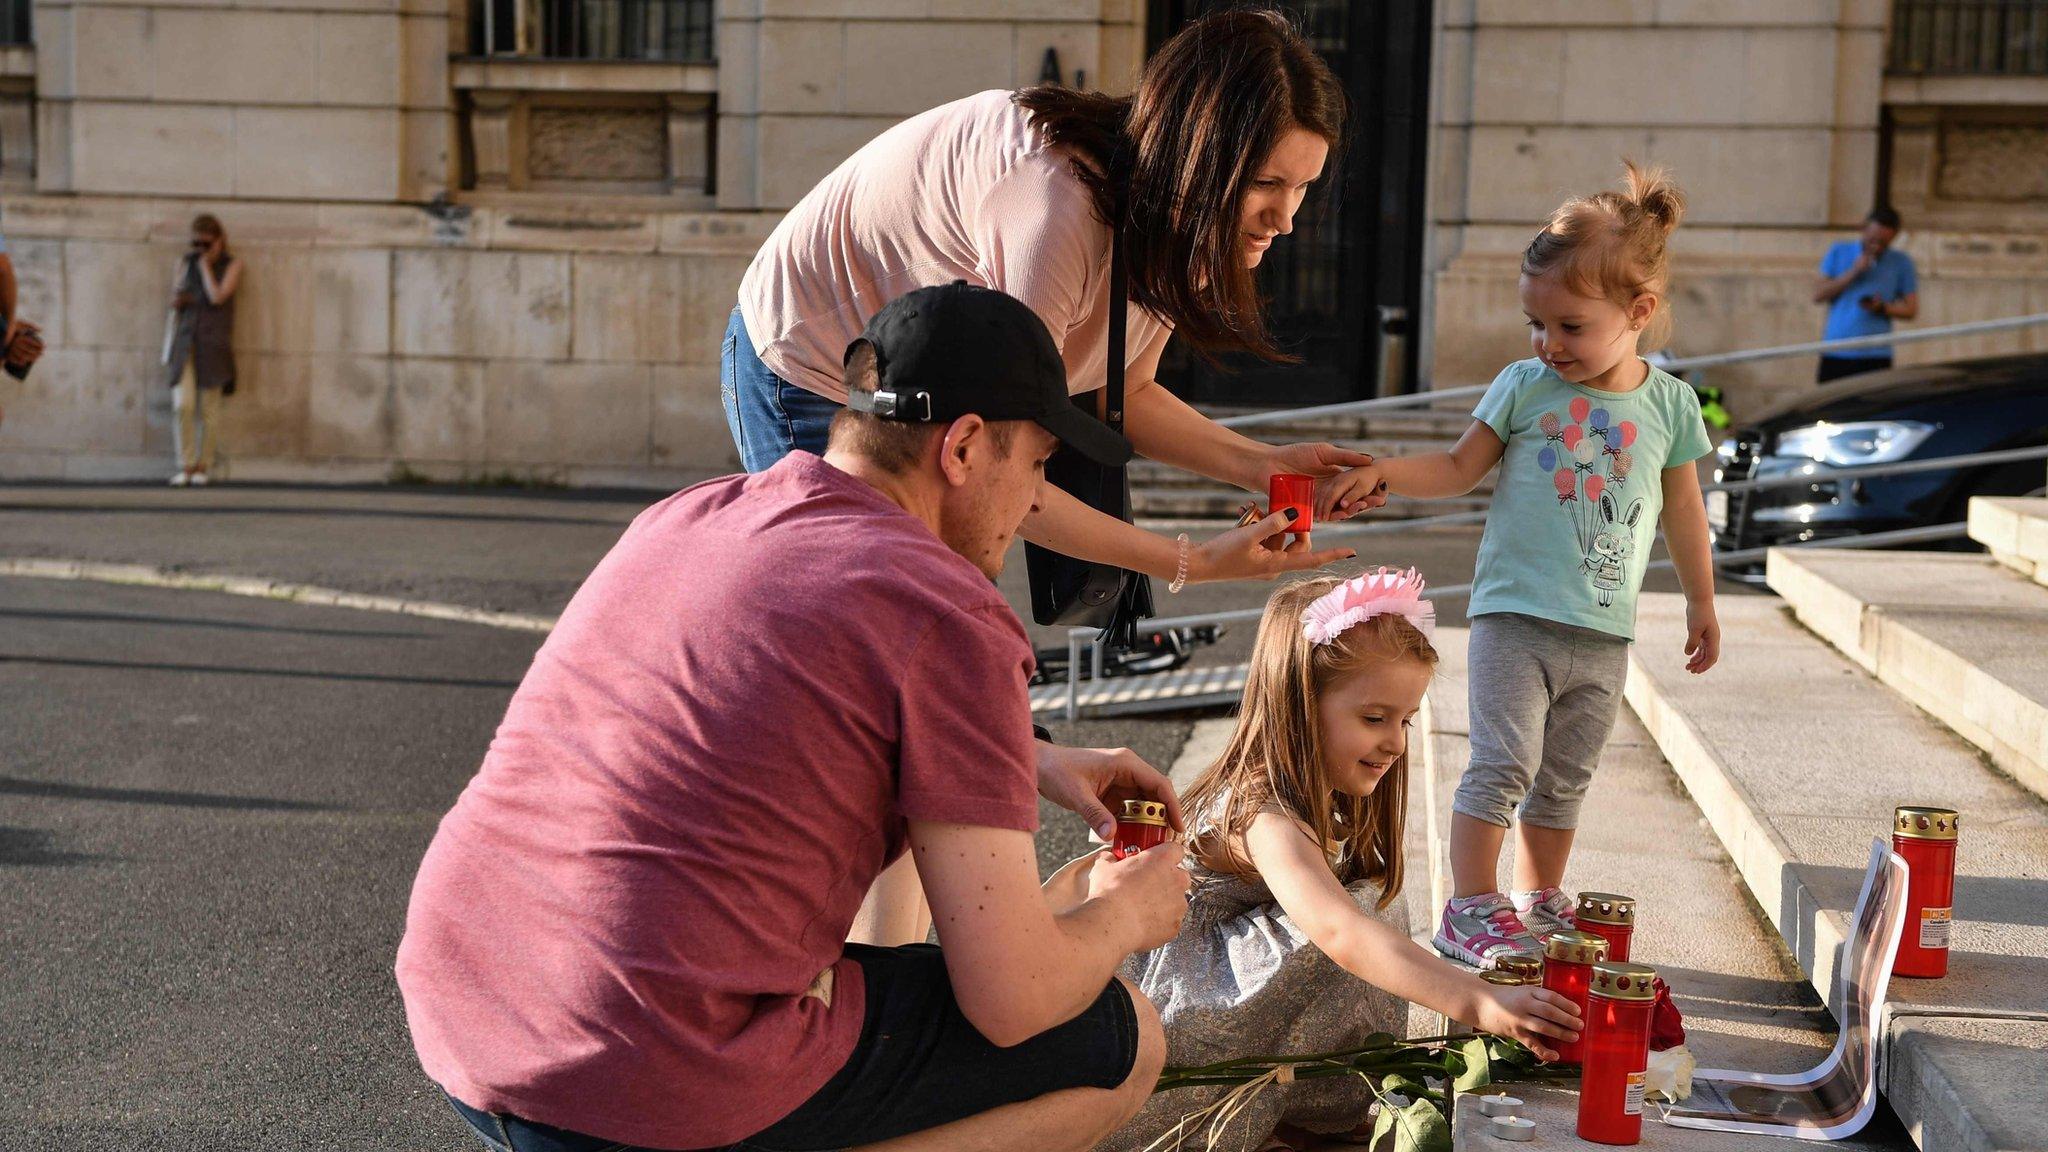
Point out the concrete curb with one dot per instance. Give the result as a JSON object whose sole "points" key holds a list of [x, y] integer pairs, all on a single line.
{"points": [[144, 575]]}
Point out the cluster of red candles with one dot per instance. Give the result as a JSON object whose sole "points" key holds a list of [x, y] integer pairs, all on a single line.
{"points": [[1616, 998], [1590, 967]]}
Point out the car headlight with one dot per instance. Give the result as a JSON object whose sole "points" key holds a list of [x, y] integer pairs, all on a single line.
{"points": [[1850, 445]]}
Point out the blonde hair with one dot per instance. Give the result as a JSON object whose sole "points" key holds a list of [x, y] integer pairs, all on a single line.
{"points": [[1611, 245], [1275, 756]]}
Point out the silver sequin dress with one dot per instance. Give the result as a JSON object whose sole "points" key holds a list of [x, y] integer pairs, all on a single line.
{"points": [[1242, 980]]}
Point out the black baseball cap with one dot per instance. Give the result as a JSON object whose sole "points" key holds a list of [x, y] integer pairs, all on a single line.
{"points": [[958, 349]]}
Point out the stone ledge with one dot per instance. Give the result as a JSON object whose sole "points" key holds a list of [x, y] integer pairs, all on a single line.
{"points": [[537, 75], [1797, 757], [1956, 634], [2015, 528]]}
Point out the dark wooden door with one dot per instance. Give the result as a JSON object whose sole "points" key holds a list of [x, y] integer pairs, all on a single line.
{"points": [[1353, 265]]}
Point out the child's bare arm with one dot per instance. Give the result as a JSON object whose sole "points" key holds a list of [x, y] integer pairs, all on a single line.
{"points": [[1685, 533], [1429, 476], [1293, 866]]}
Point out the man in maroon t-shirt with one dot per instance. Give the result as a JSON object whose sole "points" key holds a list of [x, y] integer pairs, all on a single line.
{"points": [[630, 931]]}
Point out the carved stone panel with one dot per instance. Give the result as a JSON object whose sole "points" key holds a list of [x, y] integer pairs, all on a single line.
{"points": [[598, 144], [1994, 162]]}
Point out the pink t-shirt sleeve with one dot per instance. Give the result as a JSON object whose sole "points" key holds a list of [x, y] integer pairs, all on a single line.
{"points": [[966, 754], [1036, 237]]}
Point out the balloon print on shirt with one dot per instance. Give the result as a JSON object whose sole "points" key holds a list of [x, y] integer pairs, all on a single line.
{"points": [[1586, 456]]}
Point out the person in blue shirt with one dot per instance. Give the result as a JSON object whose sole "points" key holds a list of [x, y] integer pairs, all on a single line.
{"points": [[1866, 284]]}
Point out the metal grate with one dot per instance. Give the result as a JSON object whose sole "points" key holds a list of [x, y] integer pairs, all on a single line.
{"points": [[16, 25], [1193, 687], [1969, 38], [680, 31]]}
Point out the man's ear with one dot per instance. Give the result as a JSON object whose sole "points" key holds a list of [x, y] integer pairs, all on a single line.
{"points": [[968, 434]]}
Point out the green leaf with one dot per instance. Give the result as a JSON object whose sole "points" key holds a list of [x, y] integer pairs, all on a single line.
{"points": [[1381, 1125], [1406, 1086], [1478, 1069], [1512, 1053], [1381, 1040], [1420, 1127]]}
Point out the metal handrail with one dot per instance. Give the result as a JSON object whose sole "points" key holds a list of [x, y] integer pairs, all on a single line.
{"points": [[1091, 637], [1680, 364]]}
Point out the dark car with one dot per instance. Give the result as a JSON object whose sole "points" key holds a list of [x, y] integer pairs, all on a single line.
{"points": [[1915, 413]]}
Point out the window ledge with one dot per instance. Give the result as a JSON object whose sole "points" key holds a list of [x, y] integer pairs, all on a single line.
{"points": [[1903, 90], [529, 74]]}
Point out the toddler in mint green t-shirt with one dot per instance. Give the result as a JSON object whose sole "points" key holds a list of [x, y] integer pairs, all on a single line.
{"points": [[1595, 448]]}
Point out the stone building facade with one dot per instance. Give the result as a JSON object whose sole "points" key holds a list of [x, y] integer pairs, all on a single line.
{"points": [[1784, 120], [474, 253]]}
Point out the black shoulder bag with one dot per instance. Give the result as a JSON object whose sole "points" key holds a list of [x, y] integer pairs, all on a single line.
{"points": [[1081, 593]]}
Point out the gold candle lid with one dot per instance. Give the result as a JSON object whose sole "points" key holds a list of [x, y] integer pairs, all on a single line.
{"points": [[1575, 947], [1525, 969], [1505, 979], [1607, 908], [1144, 812], [1916, 823], [1621, 980]]}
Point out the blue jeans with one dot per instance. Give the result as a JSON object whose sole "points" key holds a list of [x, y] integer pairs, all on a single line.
{"points": [[769, 417], [506, 1133]]}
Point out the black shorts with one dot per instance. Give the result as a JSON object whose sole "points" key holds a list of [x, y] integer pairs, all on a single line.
{"points": [[918, 1064]]}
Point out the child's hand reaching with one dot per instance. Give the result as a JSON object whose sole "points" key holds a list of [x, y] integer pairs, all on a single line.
{"points": [[1702, 636], [1534, 1016], [1348, 493]]}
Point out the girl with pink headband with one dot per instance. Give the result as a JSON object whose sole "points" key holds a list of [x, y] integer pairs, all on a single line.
{"points": [[1293, 941]]}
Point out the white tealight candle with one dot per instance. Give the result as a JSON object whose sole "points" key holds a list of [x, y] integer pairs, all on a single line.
{"points": [[1518, 1128], [1500, 1105]]}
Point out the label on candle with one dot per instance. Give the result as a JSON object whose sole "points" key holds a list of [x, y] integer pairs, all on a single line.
{"points": [[1632, 1104], [1934, 924]]}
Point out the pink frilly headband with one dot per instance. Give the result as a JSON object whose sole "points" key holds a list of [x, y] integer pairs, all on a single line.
{"points": [[1363, 597]]}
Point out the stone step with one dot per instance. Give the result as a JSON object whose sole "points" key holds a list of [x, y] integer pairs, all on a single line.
{"points": [[1797, 757], [1223, 504], [1960, 635], [1447, 421], [2015, 528], [1154, 473], [1746, 1002]]}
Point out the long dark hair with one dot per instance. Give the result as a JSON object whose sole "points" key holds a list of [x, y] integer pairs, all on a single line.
{"points": [[1171, 164], [207, 224]]}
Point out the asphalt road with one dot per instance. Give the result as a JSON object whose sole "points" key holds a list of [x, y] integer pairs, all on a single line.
{"points": [[212, 806]]}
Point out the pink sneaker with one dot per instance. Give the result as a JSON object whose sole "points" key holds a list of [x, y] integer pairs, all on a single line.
{"points": [[1476, 929], [1546, 912]]}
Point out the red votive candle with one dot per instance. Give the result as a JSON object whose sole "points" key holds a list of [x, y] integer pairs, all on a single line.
{"points": [[1568, 959], [1142, 826], [1289, 490], [1617, 1045], [1609, 916], [1926, 837]]}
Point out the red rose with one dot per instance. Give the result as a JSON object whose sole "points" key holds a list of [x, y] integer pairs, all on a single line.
{"points": [[1667, 1027]]}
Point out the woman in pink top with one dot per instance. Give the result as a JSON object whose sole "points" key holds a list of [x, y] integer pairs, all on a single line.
{"points": [[1232, 121]]}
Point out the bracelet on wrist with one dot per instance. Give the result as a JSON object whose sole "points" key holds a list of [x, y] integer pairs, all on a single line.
{"points": [[1180, 572]]}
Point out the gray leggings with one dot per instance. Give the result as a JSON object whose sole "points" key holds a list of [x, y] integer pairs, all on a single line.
{"points": [[1543, 700]]}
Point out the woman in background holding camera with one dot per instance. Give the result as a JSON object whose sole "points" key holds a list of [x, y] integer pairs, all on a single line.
{"points": [[199, 363]]}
